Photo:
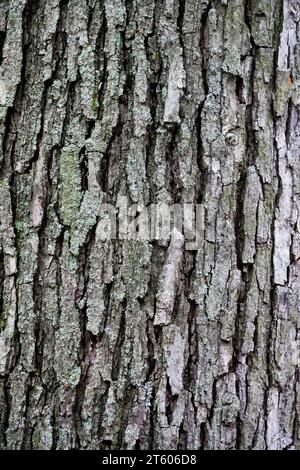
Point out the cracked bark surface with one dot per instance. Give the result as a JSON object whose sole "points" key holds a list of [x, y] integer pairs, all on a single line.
{"points": [[142, 345]]}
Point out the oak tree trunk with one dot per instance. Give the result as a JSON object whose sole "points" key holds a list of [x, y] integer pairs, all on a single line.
{"points": [[122, 344]]}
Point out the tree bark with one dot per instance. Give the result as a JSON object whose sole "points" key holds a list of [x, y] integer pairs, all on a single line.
{"points": [[123, 344]]}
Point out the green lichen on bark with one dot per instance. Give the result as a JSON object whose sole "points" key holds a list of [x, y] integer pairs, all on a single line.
{"points": [[128, 344], [70, 184]]}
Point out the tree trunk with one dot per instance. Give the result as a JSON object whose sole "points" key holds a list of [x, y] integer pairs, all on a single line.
{"points": [[145, 344]]}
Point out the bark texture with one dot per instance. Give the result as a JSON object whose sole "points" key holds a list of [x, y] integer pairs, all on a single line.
{"points": [[139, 345]]}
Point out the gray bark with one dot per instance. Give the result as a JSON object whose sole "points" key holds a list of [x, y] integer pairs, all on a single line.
{"points": [[139, 345]]}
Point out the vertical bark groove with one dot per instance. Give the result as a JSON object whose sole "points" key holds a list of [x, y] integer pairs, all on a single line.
{"points": [[144, 344]]}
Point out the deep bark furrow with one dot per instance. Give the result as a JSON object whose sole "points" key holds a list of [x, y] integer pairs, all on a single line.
{"points": [[146, 344]]}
